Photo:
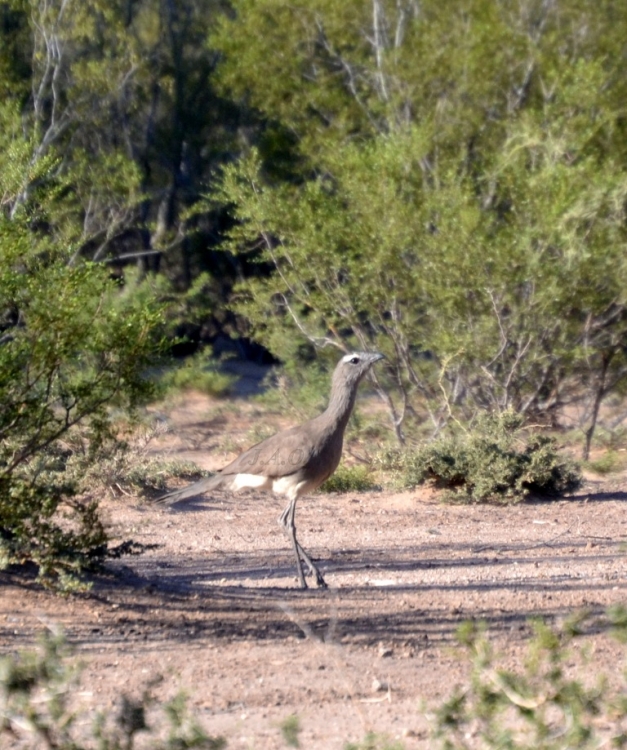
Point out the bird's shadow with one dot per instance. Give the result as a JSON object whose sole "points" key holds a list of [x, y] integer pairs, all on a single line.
{"points": [[193, 505]]}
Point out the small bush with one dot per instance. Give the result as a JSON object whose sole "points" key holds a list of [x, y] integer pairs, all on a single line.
{"points": [[290, 729], [495, 462], [74, 348], [607, 463], [374, 741], [35, 708], [612, 439], [298, 391], [349, 479], [197, 373], [543, 705], [123, 466]]}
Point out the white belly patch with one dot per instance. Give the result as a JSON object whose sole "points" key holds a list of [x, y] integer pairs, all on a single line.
{"points": [[288, 486], [250, 482]]}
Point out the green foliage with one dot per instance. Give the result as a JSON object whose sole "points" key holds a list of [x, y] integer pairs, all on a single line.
{"points": [[543, 707], [290, 729], [607, 463], [122, 94], [458, 202], [73, 348], [35, 704], [612, 439], [554, 701], [199, 374], [492, 462], [349, 479], [617, 616], [185, 733]]}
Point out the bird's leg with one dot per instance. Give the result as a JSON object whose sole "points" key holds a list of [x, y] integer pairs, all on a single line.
{"points": [[287, 521], [313, 569]]}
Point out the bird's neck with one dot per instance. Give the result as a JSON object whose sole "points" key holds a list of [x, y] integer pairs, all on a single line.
{"points": [[340, 405]]}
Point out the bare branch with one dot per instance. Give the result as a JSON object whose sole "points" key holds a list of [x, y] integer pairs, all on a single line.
{"points": [[380, 43], [318, 341], [351, 75]]}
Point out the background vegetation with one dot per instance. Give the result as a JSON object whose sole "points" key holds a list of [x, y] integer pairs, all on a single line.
{"points": [[443, 182], [456, 197]]}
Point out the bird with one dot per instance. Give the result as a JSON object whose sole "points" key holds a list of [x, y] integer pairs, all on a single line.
{"points": [[295, 461]]}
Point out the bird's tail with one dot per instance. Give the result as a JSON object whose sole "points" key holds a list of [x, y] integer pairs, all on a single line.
{"points": [[192, 490]]}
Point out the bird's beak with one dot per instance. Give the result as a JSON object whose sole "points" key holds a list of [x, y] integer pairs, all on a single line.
{"points": [[376, 356]]}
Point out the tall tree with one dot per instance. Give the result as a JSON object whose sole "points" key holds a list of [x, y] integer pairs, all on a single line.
{"points": [[123, 94]]}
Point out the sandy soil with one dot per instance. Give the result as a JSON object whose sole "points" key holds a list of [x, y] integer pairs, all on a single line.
{"points": [[213, 606]]}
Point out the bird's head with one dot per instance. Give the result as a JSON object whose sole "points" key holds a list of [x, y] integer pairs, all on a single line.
{"points": [[353, 366]]}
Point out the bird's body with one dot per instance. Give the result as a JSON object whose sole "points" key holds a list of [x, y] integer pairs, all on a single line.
{"points": [[296, 461]]}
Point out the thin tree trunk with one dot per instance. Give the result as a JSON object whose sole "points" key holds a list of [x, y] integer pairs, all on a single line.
{"points": [[598, 398]]}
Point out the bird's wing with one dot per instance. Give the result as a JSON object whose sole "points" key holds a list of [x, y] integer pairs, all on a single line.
{"points": [[283, 454]]}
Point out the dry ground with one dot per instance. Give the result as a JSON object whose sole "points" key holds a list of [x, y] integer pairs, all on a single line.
{"points": [[214, 607]]}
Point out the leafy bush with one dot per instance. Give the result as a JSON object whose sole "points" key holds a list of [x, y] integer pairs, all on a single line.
{"points": [[452, 212], [374, 741], [299, 391], [609, 462], [554, 702], [491, 463], [349, 479], [74, 346], [290, 729], [77, 354]]}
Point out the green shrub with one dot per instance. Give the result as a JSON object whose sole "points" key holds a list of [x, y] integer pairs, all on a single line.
{"points": [[373, 741], [77, 361], [554, 701], [545, 705], [612, 439], [609, 462], [197, 373], [125, 465], [290, 729], [349, 479], [300, 387], [74, 348], [493, 462]]}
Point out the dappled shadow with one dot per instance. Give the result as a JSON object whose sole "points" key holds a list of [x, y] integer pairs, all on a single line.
{"points": [[232, 598], [249, 567], [160, 604], [415, 594]]}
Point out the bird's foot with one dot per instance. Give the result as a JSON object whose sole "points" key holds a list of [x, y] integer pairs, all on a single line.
{"points": [[320, 582]]}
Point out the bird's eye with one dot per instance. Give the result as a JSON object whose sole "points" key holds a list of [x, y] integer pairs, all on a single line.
{"points": [[354, 361]]}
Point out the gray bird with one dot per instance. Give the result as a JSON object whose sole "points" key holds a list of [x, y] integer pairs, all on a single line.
{"points": [[296, 461]]}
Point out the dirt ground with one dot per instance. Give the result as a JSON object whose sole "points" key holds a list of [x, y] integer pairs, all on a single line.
{"points": [[213, 606]]}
